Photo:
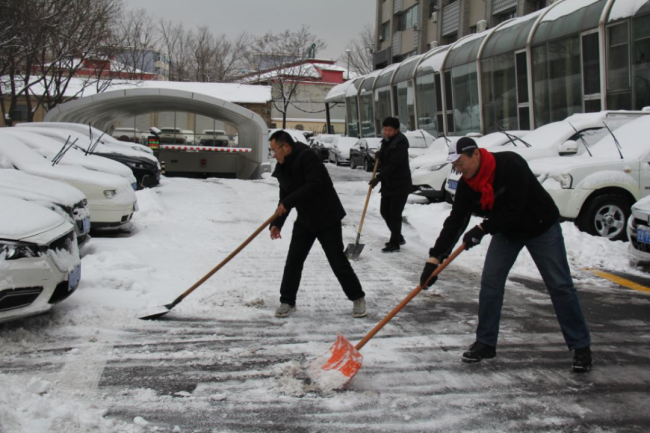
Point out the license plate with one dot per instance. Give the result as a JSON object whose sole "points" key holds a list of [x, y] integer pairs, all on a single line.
{"points": [[86, 223], [74, 277], [453, 184], [643, 235]]}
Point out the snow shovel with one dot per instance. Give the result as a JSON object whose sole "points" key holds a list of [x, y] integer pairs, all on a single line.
{"points": [[343, 360], [353, 251], [166, 308]]}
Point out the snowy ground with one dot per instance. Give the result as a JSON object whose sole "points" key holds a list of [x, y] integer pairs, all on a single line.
{"points": [[220, 361]]}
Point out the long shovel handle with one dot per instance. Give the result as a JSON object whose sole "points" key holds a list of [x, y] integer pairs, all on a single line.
{"points": [[226, 260], [365, 208], [406, 300]]}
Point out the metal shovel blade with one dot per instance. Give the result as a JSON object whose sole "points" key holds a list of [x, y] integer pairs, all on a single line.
{"points": [[159, 312], [338, 366], [353, 251]]}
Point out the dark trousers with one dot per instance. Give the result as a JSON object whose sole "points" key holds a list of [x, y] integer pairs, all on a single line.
{"points": [[549, 254], [331, 239], [391, 209]]}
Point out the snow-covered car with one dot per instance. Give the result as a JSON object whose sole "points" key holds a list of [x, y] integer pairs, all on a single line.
{"points": [[215, 138], [419, 141], [429, 171], [128, 134], [597, 189], [111, 199], [141, 170], [340, 150], [63, 199], [363, 153], [49, 144], [169, 135], [568, 137], [39, 259], [638, 230]]}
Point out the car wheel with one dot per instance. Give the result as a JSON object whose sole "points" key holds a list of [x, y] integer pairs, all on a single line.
{"points": [[605, 215]]}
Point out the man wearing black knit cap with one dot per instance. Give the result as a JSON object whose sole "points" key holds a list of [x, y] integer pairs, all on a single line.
{"points": [[395, 177], [518, 213]]}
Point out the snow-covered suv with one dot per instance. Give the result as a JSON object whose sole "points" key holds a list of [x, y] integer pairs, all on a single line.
{"points": [[597, 189]]}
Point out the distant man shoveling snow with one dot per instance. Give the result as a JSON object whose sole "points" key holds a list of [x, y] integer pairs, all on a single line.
{"points": [[518, 213], [305, 185]]}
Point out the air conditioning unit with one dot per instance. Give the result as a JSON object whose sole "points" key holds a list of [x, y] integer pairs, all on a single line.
{"points": [[381, 39], [433, 44], [481, 26], [434, 16]]}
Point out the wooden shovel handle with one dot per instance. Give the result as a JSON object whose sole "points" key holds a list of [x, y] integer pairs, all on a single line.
{"points": [[406, 300], [227, 259], [365, 208]]}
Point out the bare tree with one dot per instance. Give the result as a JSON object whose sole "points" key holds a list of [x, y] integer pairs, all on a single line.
{"points": [[280, 60], [361, 51], [138, 37], [176, 43]]}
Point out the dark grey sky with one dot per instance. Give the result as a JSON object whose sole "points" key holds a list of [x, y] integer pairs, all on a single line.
{"points": [[335, 21]]}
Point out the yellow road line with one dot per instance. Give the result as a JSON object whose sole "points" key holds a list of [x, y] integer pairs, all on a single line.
{"points": [[620, 281]]}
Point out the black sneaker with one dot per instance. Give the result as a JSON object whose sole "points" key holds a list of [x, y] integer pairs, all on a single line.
{"points": [[582, 360], [402, 242], [478, 351], [390, 248]]}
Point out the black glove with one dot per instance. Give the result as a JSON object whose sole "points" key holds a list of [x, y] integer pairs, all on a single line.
{"points": [[374, 182], [426, 273], [473, 237]]}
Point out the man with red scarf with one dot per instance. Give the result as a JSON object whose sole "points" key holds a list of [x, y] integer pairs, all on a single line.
{"points": [[518, 213]]}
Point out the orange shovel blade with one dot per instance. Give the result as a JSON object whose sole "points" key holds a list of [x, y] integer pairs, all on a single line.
{"points": [[337, 366]]}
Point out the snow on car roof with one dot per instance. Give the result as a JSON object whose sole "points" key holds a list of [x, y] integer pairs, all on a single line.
{"points": [[20, 219], [25, 159], [48, 143], [22, 185]]}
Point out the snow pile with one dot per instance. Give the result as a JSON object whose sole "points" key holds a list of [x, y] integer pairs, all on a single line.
{"points": [[30, 405]]}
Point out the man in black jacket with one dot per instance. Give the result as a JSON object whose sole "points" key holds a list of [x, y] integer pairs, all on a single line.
{"points": [[305, 185], [518, 212], [395, 177]]}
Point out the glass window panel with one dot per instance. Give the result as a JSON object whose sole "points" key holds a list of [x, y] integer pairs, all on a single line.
{"points": [[382, 106], [450, 123], [366, 114], [401, 91], [592, 106], [522, 78], [619, 101], [642, 74], [618, 77], [642, 27], [540, 86], [466, 108], [448, 96], [590, 63], [438, 92], [565, 79], [352, 116], [426, 103], [524, 118], [505, 91]]}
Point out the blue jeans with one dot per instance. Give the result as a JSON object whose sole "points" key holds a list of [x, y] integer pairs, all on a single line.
{"points": [[549, 254]]}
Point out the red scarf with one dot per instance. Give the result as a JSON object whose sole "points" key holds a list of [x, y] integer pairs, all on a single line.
{"points": [[483, 180]]}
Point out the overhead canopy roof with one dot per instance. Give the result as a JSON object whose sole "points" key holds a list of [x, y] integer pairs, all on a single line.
{"points": [[465, 51], [512, 36], [353, 89], [105, 109], [569, 18], [623, 9], [337, 93], [406, 69], [386, 76], [432, 61], [369, 82]]}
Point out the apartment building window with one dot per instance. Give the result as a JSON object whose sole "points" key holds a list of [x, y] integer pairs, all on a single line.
{"points": [[472, 29], [409, 19], [21, 113], [540, 4], [433, 5], [385, 31], [507, 16], [450, 39]]}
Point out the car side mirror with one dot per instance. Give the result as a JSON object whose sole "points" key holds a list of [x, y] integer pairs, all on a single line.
{"points": [[569, 147]]}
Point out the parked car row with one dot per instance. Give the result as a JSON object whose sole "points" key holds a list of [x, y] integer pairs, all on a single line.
{"points": [[57, 181]]}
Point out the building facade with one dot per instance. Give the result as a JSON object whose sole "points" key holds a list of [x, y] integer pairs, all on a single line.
{"points": [[405, 28]]}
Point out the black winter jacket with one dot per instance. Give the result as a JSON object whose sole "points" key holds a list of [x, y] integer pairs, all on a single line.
{"points": [[522, 207], [394, 170], [305, 185]]}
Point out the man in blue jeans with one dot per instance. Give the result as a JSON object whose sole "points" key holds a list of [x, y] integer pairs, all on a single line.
{"points": [[518, 213]]}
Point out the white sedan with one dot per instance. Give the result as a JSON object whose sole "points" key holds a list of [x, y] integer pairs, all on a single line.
{"points": [[638, 230], [340, 150], [63, 199], [111, 199], [39, 258]]}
